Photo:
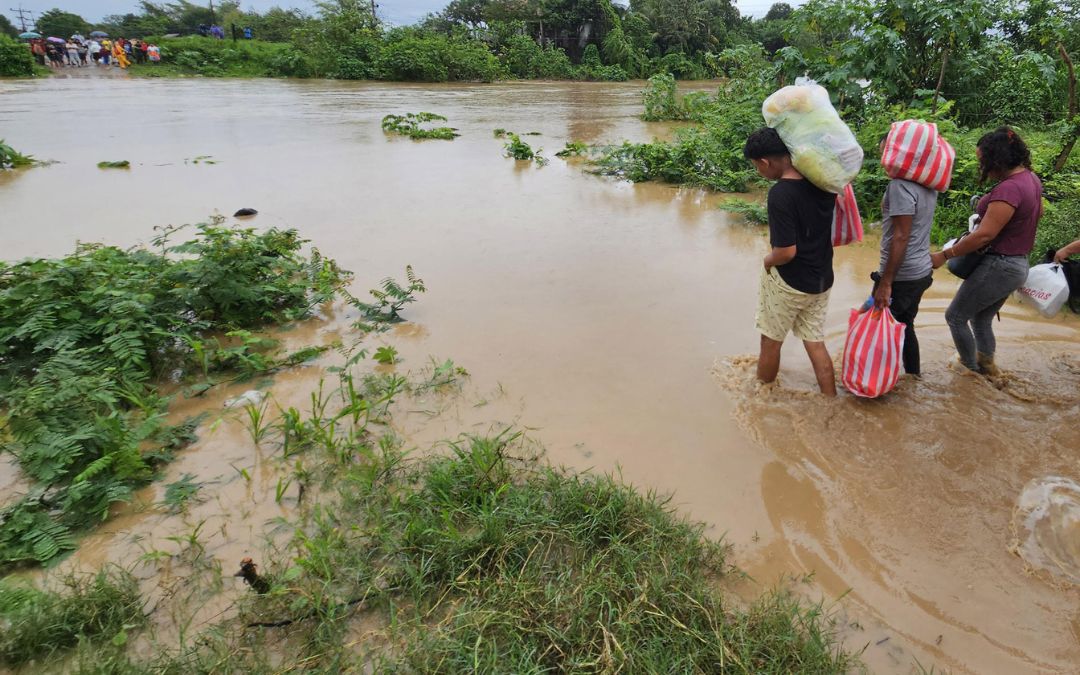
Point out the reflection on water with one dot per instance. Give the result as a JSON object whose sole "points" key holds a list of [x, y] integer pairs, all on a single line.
{"points": [[590, 311]]}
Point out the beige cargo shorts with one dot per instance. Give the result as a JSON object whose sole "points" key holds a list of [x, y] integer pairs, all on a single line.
{"points": [[782, 310]]}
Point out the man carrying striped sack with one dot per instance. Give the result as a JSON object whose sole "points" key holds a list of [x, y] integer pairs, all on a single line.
{"points": [[919, 162]]}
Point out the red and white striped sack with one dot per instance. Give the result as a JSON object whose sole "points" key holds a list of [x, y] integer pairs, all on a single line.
{"points": [[847, 223], [915, 151], [873, 353]]}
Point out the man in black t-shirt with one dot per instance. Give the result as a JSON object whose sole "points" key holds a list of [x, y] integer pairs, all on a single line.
{"points": [[797, 275]]}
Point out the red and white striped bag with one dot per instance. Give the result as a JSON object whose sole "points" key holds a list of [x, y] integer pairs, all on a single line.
{"points": [[847, 223], [873, 353], [915, 151]]}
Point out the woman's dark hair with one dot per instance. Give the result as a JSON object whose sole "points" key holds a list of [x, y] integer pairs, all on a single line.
{"points": [[764, 142], [1002, 150]]}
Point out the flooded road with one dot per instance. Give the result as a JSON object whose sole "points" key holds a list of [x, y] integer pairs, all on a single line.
{"points": [[612, 321]]}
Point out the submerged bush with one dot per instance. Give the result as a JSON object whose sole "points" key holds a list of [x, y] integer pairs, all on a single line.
{"points": [[10, 158], [409, 125], [83, 339]]}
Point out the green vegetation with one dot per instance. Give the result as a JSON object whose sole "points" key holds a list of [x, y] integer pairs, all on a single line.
{"points": [[522, 151], [7, 28], [573, 149], [117, 164], [10, 158], [480, 558], [223, 58], [85, 338], [15, 58], [752, 212], [409, 125], [89, 610], [390, 300], [709, 154]]}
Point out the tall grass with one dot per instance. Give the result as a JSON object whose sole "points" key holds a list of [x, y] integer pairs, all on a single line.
{"points": [[35, 623], [479, 557]]}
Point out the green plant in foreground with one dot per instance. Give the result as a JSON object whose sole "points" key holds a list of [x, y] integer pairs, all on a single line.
{"points": [[409, 125], [390, 299], [480, 558], [84, 340], [10, 158], [118, 164], [386, 355], [518, 149], [180, 492], [36, 623], [753, 212]]}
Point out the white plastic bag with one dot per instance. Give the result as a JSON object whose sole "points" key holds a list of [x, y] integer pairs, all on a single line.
{"points": [[1046, 288], [822, 147]]}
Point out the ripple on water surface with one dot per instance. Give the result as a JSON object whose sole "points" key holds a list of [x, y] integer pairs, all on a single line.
{"points": [[1047, 523]]}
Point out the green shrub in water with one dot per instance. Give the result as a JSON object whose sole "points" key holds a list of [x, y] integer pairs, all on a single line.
{"points": [[84, 338], [409, 125], [10, 158]]}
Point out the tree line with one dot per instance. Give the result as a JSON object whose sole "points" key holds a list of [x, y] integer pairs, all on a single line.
{"points": [[997, 60]]}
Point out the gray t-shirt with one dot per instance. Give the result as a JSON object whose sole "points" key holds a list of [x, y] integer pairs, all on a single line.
{"points": [[904, 198]]}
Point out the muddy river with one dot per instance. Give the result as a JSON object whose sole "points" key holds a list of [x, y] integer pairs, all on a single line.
{"points": [[615, 323]]}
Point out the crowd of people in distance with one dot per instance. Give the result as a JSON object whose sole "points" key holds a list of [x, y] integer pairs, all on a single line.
{"points": [[79, 52]]}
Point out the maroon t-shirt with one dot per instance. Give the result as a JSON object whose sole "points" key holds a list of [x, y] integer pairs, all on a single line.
{"points": [[1023, 192]]}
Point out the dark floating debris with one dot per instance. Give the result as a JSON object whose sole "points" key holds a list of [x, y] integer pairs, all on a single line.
{"points": [[249, 571], [245, 212]]}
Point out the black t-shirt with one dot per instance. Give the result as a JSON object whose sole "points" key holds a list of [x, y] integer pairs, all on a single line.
{"points": [[800, 215]]}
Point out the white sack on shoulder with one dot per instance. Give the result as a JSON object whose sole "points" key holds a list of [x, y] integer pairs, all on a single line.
{"points": [[822, 147]]}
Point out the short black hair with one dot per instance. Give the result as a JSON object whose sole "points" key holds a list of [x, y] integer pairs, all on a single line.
{"points": [[763, 143], [1002, 150]]}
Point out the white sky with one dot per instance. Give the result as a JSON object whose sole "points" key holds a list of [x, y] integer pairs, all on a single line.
{"points": [[398, 12]]}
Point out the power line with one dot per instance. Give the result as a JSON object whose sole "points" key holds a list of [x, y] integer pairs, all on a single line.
{"points": [[22, 14]]}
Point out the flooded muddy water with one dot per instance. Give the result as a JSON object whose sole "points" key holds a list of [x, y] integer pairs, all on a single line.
{"points": [[615, 323]]}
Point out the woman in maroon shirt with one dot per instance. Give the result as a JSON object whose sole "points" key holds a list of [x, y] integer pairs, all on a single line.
{"points": [[1009, 215]]}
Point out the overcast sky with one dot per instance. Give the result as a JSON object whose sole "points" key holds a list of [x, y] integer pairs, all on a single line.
{"points": [[398, 12]]}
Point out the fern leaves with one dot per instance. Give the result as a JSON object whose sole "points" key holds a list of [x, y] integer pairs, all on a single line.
{"points": [[82, 339]]}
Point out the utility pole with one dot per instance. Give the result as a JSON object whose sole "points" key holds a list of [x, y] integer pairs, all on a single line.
{"points": [[374, 17], [212, 18], [22, 14]]}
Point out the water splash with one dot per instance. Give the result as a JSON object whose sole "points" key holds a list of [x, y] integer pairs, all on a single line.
{"points": [[1046, 524]]}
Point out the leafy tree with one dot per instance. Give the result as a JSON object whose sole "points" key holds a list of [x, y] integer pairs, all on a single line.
{"points": [[59, 23], [6, 27], [898, 45], [469, 13], [779, 11], [688, 26]]}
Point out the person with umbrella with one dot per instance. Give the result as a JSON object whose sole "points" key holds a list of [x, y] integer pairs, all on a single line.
{"points": [[55, 51]]}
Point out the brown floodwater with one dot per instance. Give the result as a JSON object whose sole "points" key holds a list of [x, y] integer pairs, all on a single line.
{"points": [[613, 321]]}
